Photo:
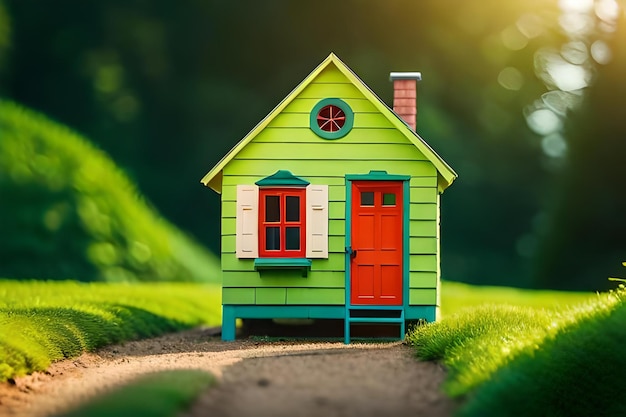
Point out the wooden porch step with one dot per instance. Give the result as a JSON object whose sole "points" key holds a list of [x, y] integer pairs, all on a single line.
{"points": [[374, 315]]}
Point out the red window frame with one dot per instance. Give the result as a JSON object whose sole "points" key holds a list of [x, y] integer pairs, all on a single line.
{"points": [[282, 224]]}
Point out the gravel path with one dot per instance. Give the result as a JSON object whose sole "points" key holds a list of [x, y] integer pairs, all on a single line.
{"points": [[255, 378]]}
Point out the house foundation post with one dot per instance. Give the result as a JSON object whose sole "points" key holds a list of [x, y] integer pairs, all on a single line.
{"points": [[229, 323]]}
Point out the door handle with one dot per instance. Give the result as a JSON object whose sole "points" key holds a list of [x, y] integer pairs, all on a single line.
{"points": [[353, 254]]}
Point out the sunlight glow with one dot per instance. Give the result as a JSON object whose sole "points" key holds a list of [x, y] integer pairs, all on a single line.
{"points": [[607, 10], [576, 6], [554, 145], [544, 121], [560, 102], [568, 77], [513, 39], [530, 25], [511, 78], [601, 53], [575, 52], [576, 23]]}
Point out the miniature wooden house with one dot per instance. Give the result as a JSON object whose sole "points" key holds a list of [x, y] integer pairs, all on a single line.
{"points": [[330, 208]]}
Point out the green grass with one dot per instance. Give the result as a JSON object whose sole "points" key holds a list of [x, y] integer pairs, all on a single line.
{"points": [[70, 213], [506, 359], [456, 297], [579, 370], [41, 322], [162, 394]]}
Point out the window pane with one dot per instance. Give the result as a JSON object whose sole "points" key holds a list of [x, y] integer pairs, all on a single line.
{"points": [[389, 199], [293, 238], [272, 208], [367, 198], [293, 209], [272, 238]]}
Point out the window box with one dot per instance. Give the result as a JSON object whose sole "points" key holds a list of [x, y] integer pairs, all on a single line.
{"points": [[283, 263]]}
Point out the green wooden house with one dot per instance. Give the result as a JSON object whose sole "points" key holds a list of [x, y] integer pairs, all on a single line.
{"points": [[330, 208]]}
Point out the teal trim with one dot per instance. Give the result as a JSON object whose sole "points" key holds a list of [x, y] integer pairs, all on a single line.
{"points": [[427, 313], [229, 322], [346, 331], [377, 176], [382, 320], [283, 263], [345, 129], [406, 219], [233, 312], [376, 320], [282, 177], [286, 312]]}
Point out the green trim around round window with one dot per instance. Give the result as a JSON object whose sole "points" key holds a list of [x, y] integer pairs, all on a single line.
{"points": [[331, 118]]}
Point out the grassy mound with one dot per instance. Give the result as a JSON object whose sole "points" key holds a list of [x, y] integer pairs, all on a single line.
{"points": [[68, 212], [577, 372], [521, 360], [41, 322]]}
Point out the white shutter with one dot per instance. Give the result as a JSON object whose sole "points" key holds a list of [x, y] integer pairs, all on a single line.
{"points": [[317, 221], [247, 229]]}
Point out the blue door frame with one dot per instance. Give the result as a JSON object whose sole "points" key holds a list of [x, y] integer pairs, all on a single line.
{"points": [[378, 176]]}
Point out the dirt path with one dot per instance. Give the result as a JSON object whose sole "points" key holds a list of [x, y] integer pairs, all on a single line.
{"points": [[255, 379]]}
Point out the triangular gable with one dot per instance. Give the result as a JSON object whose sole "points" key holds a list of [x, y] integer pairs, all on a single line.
{"points": [[213, 178]]}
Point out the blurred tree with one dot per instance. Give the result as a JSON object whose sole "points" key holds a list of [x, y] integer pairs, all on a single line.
{"points": [[584, 236], [5, 36], [168, 87]]}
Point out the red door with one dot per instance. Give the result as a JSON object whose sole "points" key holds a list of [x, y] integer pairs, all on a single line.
{"points": [[376, 258]]}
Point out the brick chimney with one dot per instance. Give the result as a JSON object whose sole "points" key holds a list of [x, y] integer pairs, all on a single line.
{"points": [[405, 95]]}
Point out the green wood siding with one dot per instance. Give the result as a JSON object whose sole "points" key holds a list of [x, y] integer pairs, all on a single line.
{"points": [[238, 296], [304, 105], [328, 75], [423, 263], [335, 262], [421, 228], [277, 296], [313, 296], [280, 278], [335, 150], [364, 120], [423, 296], [312, 168], [250, 179], [324, 90], [271, 296], [288, 143], [423, 182], [419, 211], [423, 280], [422, 246], [303, 134]]}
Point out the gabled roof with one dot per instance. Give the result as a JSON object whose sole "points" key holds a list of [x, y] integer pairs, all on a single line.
{"points": [[446, 173]]}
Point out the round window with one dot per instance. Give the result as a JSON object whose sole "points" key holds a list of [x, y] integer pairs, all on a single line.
{"points": [[331, 118]]}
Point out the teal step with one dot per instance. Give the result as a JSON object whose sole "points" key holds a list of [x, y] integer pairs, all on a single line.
{"points": [[375, 314], [376, 320]]}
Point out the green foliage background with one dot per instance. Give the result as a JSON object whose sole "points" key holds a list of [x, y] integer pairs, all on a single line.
{"points": [[67, 212], [167, 88]]}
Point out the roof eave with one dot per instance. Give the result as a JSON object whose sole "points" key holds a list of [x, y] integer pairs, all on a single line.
{"points": [[207, 179], [213, 178], [445, 171]]}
